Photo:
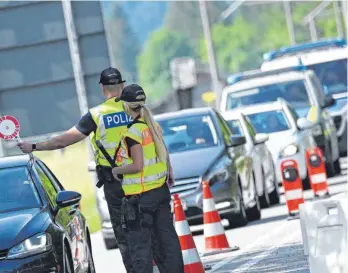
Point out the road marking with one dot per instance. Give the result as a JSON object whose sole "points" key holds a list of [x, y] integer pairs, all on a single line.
{"points": [[259, 241]]}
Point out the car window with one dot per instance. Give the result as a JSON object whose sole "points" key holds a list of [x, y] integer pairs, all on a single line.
{"points": [[235, 126], [295, 92], [18, 191], [47, 184], [188, 133], [51, 175], [225, 129], [333, 75], [269, 122]]}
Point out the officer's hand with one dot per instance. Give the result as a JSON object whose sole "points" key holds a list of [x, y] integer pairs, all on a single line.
{"points": [[26, 147], [115, 174]]}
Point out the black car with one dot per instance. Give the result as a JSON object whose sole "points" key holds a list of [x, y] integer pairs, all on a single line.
{"points": [[41, 226], [203, 147]]}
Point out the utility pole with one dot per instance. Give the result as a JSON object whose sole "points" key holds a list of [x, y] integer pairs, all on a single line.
{"points": [[313, 30], [289, 22], [76, 63], [210, 49], [338, 19]]}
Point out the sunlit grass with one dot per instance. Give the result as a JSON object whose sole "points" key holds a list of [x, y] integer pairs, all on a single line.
{"points": [[70, 167]]}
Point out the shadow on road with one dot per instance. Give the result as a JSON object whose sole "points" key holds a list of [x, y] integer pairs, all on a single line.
{"points": [[287, 258]]}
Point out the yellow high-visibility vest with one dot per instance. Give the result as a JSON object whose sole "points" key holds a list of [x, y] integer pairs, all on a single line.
{"points": [[111, 121], [154, 173]]}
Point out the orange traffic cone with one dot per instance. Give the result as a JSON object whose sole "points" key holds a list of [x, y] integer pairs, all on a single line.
{"points": [[214, 232], [155, 268], [192, 261]]}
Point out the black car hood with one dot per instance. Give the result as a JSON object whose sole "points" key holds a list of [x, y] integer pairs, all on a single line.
{"points": [[194, 163], [16, 226]]}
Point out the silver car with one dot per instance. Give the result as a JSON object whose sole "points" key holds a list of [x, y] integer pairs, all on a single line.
{"points": [[289, 135], [263, 167]]}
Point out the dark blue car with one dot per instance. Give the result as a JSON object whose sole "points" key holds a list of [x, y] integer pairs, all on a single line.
{"points": [[41, 226]]}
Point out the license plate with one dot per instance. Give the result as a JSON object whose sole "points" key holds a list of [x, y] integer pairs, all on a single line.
{"points": [[183, 202]]}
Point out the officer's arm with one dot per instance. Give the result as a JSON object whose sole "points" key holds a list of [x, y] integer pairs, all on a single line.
{"points": [[137, 165], [58, 142]]}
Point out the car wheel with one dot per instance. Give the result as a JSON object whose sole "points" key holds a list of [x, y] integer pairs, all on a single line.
{"points": [[254, 213], [329, 164], [274, 195], [265, 199], [67, 261], [110, 243], [337, 166], [306, 184], [240, 219], [91, 267]]}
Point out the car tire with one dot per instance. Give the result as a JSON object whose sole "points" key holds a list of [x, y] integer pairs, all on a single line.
{"points": [[337, 167], [274, 195], [265, 199], [67, 261], [306, 184], [240, 219], [329, 164], [254, 213], [91, 267], [110, 243]]}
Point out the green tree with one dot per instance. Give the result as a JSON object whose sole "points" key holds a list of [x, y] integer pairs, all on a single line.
{"points": [[184, 17], [153, 63], [124, 43]]}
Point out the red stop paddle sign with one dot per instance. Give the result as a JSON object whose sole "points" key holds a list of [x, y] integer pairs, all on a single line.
{"points": [[9, 127]]}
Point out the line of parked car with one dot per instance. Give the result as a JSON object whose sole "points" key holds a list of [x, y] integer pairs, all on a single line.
{"points": [[296, 100]]}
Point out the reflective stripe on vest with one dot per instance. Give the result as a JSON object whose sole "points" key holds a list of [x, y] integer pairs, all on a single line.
{"points": [[154, 172], [111, 122]]}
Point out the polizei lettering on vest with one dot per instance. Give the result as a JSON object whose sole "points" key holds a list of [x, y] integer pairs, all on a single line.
{"points": [[116, 119]]}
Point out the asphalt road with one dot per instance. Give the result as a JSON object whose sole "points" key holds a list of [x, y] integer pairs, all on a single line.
{"points": [[272, 244]]}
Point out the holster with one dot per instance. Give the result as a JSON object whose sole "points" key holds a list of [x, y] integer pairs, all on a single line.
{"points": [[104, 173], [130, 213]]}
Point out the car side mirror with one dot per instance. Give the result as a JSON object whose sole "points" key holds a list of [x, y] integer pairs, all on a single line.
{"points": [[261, 138], [67, 199], [328, 101], [237, 140], [304, 124]]}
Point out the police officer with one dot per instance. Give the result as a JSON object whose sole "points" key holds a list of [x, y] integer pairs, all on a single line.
{"points": [[143, 161], [105, 122]]}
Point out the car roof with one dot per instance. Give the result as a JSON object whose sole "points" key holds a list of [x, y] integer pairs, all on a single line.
{"points": [[307, 58], [265, 80], [14, 161], [256, 108], [185, 113]]}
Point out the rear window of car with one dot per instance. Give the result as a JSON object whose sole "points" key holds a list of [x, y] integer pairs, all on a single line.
{"points": [[18, 191], [189, 133], [269, 122]]}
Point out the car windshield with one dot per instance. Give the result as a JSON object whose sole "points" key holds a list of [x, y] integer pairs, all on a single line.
{"points": [[295, 92], [188, 133], [17, 190], [269, 122], [235, 126], [333, 75]]}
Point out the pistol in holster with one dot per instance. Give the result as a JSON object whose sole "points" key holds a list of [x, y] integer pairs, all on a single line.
{"points": [[130, 212], [104, 173]]}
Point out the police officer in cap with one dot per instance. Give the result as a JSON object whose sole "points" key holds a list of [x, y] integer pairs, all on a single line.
{"points": [[143, 160], [105, 124]]}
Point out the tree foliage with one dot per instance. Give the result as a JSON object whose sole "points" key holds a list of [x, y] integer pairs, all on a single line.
{"points": [[153, 63], [123, 41]]}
